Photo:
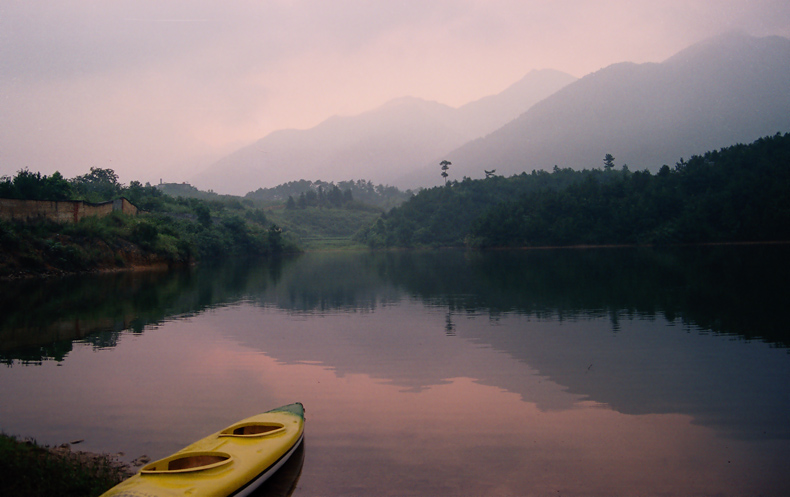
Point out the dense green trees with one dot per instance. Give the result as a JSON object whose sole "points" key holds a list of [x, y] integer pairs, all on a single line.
{"points": [[739, 193], [443, 216], [99, 185], [34, 186], [170, 229], [330, 198], [348, 194]]}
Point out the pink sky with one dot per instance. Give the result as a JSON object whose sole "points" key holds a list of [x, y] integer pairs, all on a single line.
{"points": [[157, 89]]}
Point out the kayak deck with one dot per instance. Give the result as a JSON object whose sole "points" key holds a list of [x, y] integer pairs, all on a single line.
{"points": [[233, 461]]}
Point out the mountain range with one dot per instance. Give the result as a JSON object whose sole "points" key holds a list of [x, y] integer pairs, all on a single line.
{"points": [[379, 145], [725, 90]]}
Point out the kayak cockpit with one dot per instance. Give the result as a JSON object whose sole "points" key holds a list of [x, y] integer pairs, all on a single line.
{"points": [[187, 462], [253, 429]]}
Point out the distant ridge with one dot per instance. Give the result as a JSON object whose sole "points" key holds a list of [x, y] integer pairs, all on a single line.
{"points": [[382, 144], [725, 90]]}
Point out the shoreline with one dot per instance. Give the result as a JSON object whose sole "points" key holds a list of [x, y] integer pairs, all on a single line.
{"points": [[33, 470], [93, 459], [163, 265], [60, 273]]}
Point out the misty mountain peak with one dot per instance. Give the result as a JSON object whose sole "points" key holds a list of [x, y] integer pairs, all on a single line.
{"points": [[728, 89], [381, 144]]}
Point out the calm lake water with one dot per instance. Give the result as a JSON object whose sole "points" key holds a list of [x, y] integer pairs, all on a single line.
{"points": [[444, 373]]}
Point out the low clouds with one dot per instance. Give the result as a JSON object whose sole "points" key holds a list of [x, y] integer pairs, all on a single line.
{"points": [[154, 89]]}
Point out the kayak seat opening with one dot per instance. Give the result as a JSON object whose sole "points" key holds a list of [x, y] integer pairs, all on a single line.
{"points": [[253, 430], [194, 462], [187, 462]]}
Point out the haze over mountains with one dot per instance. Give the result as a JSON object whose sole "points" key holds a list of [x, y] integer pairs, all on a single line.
{"points": [[379, 145], [729, 89]]}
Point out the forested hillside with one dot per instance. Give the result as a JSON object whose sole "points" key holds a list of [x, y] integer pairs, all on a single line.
{"points": [[360, 191], [172, 230], [736, 194]]}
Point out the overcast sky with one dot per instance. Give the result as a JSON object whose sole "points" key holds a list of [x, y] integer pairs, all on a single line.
{"points": [[155, 88]]}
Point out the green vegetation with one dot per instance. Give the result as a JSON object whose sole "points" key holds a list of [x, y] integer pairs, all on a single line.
{"points": [[29, 470], [180, 224], [355, 194], [171, 230], [27, 185], [443, 216], [324, 228], [736, 194], [313, 214], [187, 191]]}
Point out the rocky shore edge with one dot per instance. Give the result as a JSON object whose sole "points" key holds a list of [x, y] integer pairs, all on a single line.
{"points": [[60, 273]]}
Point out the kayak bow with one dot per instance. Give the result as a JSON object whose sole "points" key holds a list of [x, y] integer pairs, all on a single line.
{"points": [[231, 462]]}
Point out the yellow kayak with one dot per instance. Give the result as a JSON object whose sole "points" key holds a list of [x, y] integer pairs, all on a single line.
{"points": [[234, 461]]}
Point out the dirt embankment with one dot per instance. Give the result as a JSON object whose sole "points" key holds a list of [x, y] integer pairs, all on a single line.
{"points": [[60, 255]]}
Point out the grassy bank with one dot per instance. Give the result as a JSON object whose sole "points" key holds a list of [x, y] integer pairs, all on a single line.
{"points": [[30, 470]]}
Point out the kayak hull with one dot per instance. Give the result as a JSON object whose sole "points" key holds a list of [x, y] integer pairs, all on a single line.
{"points": [[231, 462], [253, 485]]}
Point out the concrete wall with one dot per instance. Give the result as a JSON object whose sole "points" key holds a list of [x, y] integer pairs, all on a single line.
{"points": [[123, 205], [63, 211]]}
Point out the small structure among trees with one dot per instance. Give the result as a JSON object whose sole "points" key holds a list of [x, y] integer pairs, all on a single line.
{"points": [[61, 211], [29, 196]]}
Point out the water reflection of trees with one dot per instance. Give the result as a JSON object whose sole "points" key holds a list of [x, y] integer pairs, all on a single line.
{"points": [[329, 282], [41, 318], [736, 290]]}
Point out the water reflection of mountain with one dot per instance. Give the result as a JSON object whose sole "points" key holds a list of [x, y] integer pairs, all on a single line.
{"points": [[650, 368], [636, 364], [736, 293], [665, 344]]}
